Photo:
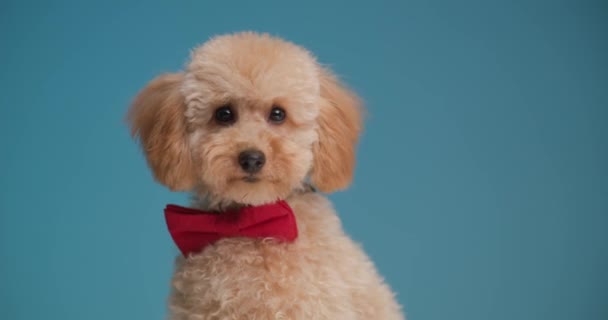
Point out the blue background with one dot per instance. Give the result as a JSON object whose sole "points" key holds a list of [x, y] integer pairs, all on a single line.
{"points": [[482, 185]]}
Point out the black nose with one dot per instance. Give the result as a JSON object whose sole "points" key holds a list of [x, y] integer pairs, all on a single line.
{"points": [[252, 160]]}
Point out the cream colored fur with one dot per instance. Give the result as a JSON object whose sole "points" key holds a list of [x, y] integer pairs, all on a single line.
{"points": [[323, 274]]}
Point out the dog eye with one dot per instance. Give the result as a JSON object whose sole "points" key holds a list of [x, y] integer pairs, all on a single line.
{"points": [[224, 115], [277, 115]]}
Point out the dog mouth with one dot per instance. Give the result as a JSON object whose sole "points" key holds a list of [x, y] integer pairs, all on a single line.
{"points": [[251, 179], [254, 178]]}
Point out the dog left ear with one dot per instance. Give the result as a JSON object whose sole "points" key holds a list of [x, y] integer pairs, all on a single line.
{"points": [[157, 119], [339, 124]]}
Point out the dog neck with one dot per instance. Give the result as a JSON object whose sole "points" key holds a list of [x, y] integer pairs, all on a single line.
{"points": [[212, 203]]}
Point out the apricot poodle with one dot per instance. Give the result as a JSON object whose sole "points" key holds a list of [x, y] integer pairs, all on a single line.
{"points": [[256, 123]]}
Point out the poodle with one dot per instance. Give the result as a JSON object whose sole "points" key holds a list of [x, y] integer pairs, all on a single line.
{"points": [[255, 124]]}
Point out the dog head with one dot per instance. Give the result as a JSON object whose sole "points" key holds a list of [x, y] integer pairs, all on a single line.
{"points": [[249, 120]]}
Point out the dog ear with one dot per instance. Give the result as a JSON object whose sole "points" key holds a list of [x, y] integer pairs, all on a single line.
{"points": [[339, 124], [157, 119]]}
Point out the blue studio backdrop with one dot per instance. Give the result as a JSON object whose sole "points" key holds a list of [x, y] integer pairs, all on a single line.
{"points": [[481, 190]]}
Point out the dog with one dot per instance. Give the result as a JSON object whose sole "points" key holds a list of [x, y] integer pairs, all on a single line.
{"points": [[254, 120]]}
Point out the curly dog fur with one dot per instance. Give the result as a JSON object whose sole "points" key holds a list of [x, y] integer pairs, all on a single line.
{"points": [[321, 275]]}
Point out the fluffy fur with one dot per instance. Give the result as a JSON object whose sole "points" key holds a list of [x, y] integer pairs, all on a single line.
{"points": [[323, 274]]}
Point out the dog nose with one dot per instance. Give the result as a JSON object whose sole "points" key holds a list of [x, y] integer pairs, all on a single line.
{"points": [[252, 160]]}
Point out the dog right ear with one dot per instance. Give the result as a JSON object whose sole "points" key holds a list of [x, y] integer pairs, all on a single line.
{"points": [[157, 120], [339, 126]]}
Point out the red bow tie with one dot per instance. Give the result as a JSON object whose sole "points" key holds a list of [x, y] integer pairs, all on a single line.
{"points": [[192, 229]]}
